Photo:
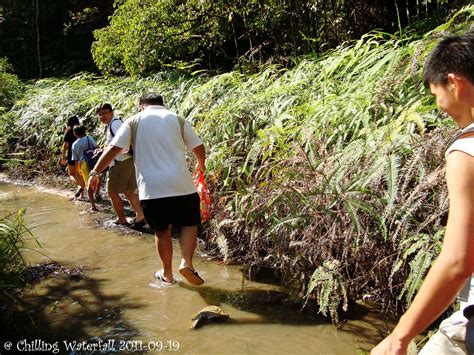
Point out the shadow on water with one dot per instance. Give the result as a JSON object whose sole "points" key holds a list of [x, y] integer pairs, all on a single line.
{"points": [[272, 306], [277, 307], [67, 307]]}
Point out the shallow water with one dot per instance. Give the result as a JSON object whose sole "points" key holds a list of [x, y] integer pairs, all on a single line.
{"points": [[118, 300]]}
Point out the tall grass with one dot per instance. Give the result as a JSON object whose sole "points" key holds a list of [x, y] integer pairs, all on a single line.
{"points": [[330, 174], [13, 236]]}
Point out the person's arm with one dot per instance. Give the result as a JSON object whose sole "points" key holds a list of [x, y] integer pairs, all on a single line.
{"points": [[104, 161], [452, 268], [200, 154], [64, 153]]}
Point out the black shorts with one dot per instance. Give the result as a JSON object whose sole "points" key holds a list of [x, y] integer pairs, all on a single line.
{"points": [[176, 210]]}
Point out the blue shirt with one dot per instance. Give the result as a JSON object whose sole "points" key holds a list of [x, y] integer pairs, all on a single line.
{"points": [[80, 146]]}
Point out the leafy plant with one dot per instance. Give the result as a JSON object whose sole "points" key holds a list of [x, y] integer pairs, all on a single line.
{"points": [[328, 284], [13, 235], [10, 86], [421, 249]]}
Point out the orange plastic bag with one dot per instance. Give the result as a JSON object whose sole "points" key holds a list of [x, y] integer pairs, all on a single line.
{"points": [[204, 195]]}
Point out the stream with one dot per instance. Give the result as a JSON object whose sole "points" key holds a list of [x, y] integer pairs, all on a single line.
{"points": [[117, 305]]}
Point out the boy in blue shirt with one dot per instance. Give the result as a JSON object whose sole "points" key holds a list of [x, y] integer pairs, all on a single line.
{"points": [[79, 147]]}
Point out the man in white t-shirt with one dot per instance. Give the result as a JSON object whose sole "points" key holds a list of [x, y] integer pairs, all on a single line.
{"points": [[449, 73], [121, 174], [165, 187]]}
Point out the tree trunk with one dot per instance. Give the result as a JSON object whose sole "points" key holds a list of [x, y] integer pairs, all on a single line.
{"points": [[38, 51]]}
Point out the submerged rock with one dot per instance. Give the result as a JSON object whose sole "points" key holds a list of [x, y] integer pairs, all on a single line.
{"points": [[211, 314]]}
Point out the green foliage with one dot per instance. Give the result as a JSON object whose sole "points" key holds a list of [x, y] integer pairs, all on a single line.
{"points": [[12, 241], [10, 86], [147, 36], [328, 284], [421, 249], [140, 36]]}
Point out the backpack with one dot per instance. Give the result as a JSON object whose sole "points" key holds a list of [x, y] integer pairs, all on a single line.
{"points": [[92, 155]]}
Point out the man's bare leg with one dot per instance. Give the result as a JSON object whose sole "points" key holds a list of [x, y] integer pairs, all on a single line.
{"points": [[117, 203], [187, 240], [90, 193], [135, 202], [164, 247]]}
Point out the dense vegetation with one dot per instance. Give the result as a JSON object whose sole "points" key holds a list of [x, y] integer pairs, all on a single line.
{"points": [[44, 38], [146, 36], [329, 173]]}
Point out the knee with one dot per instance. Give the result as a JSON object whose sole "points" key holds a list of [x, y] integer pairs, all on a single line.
{"points": [[114, 196], [131, 195], [163, 234]]}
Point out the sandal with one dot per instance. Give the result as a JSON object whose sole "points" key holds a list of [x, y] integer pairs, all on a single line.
{"points": [[79, 191], [159, 276], [126, 224], [137, 225], [191, 275]]}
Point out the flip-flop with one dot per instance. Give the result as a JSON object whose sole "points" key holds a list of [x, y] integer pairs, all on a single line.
{"points": [[159, 276], [191, 275], [126, 224]]}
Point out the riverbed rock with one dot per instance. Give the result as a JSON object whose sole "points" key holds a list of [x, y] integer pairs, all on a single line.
{"points": [[211, 314]]}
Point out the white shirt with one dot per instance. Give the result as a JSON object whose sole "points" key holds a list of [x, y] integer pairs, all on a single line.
{"points": [[159, 153], [114, 125]]}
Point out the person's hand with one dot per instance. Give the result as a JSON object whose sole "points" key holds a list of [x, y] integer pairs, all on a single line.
{"points": [[93, 183], [390, 346], [62, 161]]}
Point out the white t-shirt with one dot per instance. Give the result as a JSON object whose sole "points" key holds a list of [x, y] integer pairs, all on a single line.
{"points": [[466, 145], [159, 153], [114, 125]]}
